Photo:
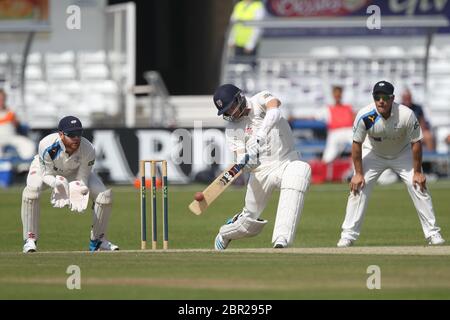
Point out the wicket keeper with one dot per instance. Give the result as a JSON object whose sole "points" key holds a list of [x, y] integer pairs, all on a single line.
{"points": [[257, 131], [387, 135], [64, 163]]}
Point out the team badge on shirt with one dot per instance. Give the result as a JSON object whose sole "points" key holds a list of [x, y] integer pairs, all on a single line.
{"points": [[54, 151], [370, 119]]}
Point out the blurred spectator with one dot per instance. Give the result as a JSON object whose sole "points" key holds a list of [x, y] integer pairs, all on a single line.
{"points": [[428, 138], [339, 119], [9, 124], [244, 40]]}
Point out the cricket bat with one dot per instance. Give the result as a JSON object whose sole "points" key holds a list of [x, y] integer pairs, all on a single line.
{"points": [[215, 189]]}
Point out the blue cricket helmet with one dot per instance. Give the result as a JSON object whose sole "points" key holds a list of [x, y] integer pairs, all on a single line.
{"points": [[225, 96]]}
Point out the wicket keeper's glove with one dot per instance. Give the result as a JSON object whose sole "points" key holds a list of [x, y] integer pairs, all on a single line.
{"points": [[60, 193], [79, 196]]}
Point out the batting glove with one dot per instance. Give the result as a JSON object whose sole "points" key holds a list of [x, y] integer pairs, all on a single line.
{"points": [[254, 147]]}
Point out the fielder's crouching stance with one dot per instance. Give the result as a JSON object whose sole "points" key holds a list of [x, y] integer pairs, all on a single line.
{"points": [[64, 163], [256, 130], [387, 135]]}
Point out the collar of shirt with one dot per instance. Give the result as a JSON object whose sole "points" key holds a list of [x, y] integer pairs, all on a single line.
{"points": [[61, 143]]}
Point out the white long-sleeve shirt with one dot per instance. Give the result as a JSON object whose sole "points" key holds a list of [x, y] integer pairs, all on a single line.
{"points": [[279, 142], [54, 160]]}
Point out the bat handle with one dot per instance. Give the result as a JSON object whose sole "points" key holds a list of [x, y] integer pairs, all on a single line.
{"points": [[242, 164], [246, 159]]}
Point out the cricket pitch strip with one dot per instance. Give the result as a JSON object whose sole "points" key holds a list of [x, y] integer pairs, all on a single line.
{"points": [[378, 250]]}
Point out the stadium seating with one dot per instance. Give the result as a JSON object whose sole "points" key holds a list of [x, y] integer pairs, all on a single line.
{"points": [[301, 80], [81, 83], [304, 80]]}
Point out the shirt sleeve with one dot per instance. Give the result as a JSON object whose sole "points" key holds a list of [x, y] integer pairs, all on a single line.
{"points": [[46, 165], [414, 131], [264, 97], [359, 130], [87, 163]]}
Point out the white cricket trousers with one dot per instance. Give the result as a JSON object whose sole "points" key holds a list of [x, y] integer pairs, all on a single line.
{"points": [[293, 178], [373, 166]]}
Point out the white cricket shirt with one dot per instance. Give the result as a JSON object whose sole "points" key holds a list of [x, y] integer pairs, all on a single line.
{"points": [[279, 144], [386, 137], [55, 161]]}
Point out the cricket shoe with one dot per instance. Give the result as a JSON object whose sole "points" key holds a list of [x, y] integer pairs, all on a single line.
{"points": [[436, 239], [29, 246], [102, 245], [344, 243], [280, 243], [220, 243]]}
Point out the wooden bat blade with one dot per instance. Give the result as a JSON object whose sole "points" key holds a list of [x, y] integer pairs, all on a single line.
{"points": [[215, 189], [197, 207]]}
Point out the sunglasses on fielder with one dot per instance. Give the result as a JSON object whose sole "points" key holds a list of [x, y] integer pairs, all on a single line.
{"points": [[73, 134], [385, 97]]}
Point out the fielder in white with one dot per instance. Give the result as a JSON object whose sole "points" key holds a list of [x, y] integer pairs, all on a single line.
{"points": [[256, 128], [387, 135], [64, 163]]}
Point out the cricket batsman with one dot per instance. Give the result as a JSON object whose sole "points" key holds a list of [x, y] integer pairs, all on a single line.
{"points": [[257, 131], [64, 164], [387, 135]]}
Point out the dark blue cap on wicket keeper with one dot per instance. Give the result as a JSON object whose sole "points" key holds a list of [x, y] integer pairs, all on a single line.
{"points": [[70, 124]]}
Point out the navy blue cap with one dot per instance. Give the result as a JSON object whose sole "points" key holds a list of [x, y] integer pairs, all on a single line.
{"points": [[383, 87], [70, 124], [224, 97]]}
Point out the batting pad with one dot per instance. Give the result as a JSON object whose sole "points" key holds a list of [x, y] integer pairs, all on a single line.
{"points": [[295, 182], [30, 212], [243, 227], [102, 212], [296, 176]]}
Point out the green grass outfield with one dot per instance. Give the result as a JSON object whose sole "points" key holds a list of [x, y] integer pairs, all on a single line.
{"points": [[313, 269]]}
